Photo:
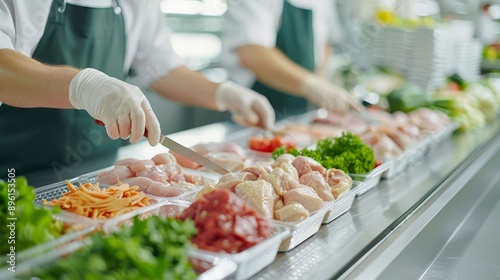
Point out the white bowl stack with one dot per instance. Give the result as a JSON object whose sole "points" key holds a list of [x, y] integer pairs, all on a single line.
{"points": [[427, 56]]}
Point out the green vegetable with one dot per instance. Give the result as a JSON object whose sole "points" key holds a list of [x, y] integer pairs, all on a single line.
{"points": [[486, 100], [408, 98], [34, 225], [154, 248], [347, 152], [461, 82]]}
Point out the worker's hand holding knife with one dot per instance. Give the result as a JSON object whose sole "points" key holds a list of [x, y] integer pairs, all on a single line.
{"points": [[122, 107]]}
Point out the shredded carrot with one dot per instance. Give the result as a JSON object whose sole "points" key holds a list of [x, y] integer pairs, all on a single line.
{"points": [[92, 201]]}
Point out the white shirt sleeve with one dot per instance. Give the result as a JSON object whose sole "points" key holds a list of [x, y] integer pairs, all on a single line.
{"points": [[154, 57], [7, 29], [248, 22], [252, 22]]}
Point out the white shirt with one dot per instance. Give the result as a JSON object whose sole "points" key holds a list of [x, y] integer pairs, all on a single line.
{"points": [[148, 46], [257, 22]]}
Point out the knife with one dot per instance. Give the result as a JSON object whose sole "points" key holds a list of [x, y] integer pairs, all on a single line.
{"points": [[185, 152]]}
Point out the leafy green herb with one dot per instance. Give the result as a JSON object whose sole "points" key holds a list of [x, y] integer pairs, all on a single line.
{"points": [[346, 152], [34, 225], [154, 248]]}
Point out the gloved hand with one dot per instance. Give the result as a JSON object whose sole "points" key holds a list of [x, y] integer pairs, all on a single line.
{"points": [[327, 95], [248, 108], [122, 107]]}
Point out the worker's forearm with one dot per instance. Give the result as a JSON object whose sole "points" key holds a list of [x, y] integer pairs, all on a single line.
{"points": [[27, 83], [321, 69], [273, 68], [188, 87]]}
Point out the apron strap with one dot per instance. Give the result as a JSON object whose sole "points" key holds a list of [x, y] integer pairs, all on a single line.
{"points": [[114, 3]]}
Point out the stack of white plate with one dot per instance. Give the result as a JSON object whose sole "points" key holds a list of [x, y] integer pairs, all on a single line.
{"points": [[427, 56], [431, 58], [391, 47]]}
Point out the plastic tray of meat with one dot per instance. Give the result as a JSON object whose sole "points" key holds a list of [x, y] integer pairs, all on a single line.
{"points": [[76, 229], [56, 190], [249, 261], [372, 178], [344, 202], [208, 267], [171, 190], [301, 231]]}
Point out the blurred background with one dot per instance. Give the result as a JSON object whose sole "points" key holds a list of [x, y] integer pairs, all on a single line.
{"points": [[385, 43]]}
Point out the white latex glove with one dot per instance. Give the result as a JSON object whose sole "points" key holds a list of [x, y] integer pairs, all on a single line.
{"points": [[247, 107], [327, 95], [122, 107]]}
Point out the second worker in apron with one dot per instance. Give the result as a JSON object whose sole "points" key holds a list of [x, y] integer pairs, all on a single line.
{"points": [[280, 48]]}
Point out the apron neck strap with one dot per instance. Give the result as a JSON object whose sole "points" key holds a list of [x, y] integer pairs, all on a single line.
{"points": [[114, 3]]}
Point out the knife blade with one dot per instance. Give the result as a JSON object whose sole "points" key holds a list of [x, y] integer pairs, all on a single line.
{"points": [[192, 155], [185, 152]]}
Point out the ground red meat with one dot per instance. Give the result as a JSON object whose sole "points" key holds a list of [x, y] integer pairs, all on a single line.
{"points": [[225, 223]]}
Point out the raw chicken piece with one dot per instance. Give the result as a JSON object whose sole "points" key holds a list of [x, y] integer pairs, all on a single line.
{"points": [[339, 181], [318, 183], [141, 165], [194, 179], [229, 155], [142, 182], [163, 158], [171, 168], [279, 204], [260, 169], [294, 212], [386, 149], [228, 147], [290, 169], [383, 146], [115, 175], [185, 186], [125, 162], [185, 162], [229, 181], [428, 120], [306, 164], [258, 194], [154, 173], [305, 196], [206, 189], [281, 181], [400, 138], [231, 162], [349, 121], [164, 190], [283, 158]]}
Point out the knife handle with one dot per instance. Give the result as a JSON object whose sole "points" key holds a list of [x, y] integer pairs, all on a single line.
{"points": [[99, 122]]}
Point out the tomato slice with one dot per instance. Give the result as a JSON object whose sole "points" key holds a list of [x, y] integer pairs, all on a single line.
{"points": [[262, 144]]}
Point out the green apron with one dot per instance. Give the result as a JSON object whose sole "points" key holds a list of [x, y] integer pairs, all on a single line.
{"points": [[41, 138], [296, 40]]}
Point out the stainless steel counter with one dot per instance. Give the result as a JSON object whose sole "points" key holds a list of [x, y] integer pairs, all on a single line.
{"points": [[434, 219]]}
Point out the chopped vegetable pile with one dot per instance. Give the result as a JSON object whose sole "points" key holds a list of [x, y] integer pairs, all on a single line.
{"points": [[269, 144], [346, 152], [155, 248], [34, 225], [225, 223], [91, 201]]}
